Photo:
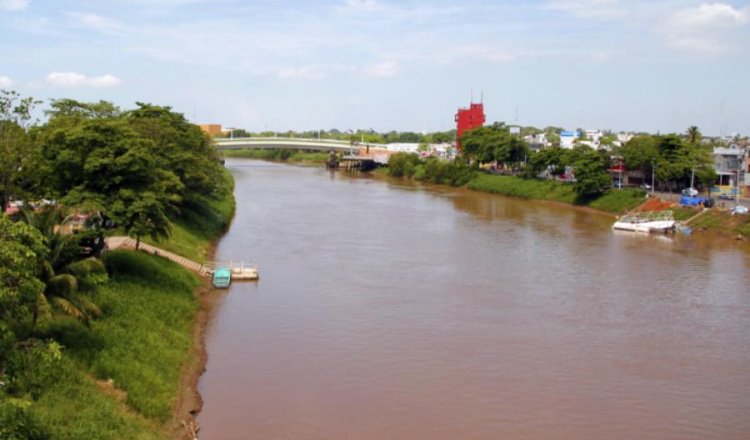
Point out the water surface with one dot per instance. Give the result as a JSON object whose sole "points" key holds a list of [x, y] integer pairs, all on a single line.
{"points": [[392, 311]]}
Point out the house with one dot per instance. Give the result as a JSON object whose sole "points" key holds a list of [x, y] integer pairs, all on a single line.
{"points": [[568, 138], [536, 141], [728, 162]]}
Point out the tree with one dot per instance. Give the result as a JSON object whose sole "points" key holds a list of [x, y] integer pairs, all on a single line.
{"points": [[402, 164], [15, 145], [144, 215], [62, 287], [591, 174], [22, 252], [694, 135], [550, 160]]}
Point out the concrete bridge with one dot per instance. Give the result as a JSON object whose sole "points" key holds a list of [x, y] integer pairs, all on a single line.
{"points": [[345, 147]]}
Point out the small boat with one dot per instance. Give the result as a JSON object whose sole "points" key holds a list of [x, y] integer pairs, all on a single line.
{"points": [[222, 277], [657, 221], [244, 273]]}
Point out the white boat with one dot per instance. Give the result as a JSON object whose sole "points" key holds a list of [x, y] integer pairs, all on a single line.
{"points": [[657, 221]]}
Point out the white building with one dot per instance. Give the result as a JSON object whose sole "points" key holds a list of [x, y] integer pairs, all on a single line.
{"points": [[568, 138]]}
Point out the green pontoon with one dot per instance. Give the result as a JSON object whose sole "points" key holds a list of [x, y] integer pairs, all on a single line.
{"points": [[222, 277]]}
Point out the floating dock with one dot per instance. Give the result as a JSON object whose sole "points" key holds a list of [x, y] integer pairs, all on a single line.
{"points": [[223, 273]]}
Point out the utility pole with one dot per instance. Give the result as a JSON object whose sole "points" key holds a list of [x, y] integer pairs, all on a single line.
{"points": [[652, 179], [692, 177], [737, 191]]}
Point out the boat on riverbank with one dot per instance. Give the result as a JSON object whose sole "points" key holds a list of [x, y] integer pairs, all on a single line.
{"points": [[659, 221], [222, 274]]}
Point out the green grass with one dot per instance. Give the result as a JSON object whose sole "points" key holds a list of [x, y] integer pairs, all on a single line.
{"points": [[74, 407], [140, 344], [619, 200], [744, 228], [150, 307], [682, 213], [615, 201], [280, 155], [709, 220], [531, 189]]}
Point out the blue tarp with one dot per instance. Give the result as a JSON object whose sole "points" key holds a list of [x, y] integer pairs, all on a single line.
{"points": [[692, 201]]}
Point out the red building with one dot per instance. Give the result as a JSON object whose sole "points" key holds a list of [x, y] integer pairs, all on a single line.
{"points": [[468, 118]]}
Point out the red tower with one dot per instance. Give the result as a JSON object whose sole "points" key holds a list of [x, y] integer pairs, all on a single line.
{"points": [[468, 118]]}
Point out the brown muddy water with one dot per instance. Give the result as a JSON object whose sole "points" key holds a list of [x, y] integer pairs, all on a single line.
{"points": [[394, 311]]}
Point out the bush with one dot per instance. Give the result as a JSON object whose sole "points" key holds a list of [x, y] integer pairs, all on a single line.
{"points": [[402, 164], [17, 421]]}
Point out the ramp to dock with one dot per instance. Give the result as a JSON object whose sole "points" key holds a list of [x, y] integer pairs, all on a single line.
{"points": [[129, 243]]}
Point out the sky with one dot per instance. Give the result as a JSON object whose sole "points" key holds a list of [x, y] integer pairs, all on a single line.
{"points": [[622, 65]]}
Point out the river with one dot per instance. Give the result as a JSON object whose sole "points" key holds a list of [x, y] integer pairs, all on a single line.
{"points": [[387, 310]]}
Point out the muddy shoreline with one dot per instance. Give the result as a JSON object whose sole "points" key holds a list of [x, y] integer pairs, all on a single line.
{"points": [[184, 422]]}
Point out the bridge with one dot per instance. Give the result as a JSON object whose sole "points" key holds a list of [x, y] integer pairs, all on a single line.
{"points": [[345, 147]]}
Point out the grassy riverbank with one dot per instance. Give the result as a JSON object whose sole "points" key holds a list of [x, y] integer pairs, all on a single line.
{"points": [[613, 201], [125, 374], [199, 223], [120, 377], [280, 155]]}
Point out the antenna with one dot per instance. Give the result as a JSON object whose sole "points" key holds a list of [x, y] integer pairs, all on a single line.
{"points": [[481, 97], [516, 115], [472, 95]]}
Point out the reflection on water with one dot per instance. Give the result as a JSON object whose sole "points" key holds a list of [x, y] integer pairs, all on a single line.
{"points": [[398, 311]]}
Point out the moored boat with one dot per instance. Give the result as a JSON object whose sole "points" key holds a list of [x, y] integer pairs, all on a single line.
{"points": [[658, 221], [222, 277]]}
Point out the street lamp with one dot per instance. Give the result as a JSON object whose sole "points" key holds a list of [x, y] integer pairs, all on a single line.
{"points": [[653, 186], [692, 177]]}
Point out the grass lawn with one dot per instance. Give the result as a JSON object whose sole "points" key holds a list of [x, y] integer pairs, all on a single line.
{"points": [[135, 351], [615, 200]]}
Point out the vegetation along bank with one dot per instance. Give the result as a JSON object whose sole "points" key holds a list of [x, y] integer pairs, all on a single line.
{"points": [[97, 344], [292, 156], [496, 161]]}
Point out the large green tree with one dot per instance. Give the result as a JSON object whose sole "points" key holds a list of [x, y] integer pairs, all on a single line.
{"points": [[592, 178], [15, 145], [494, 143], [22, 252]]}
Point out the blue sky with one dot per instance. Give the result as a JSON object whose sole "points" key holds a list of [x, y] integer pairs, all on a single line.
{"points": [[658, 65]]}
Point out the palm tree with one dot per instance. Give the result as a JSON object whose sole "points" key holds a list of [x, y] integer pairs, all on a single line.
{"points": [[694, 134], [66, 280]]}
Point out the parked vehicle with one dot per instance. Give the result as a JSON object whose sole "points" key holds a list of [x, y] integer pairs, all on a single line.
{"points": [[690, 192]]}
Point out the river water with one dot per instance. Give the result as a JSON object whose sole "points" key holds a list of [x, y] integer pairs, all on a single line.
{"points": [[387, 310]]}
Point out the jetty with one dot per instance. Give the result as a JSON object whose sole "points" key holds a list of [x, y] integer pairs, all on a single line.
{"points": [[239, 271]]}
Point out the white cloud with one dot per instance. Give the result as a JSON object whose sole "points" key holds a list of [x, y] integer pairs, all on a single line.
{"points": [[382, 70], [13, 5], [705, 28], [5, 81], [105, 81], [73, 79], [96, 22], [709, 15]]}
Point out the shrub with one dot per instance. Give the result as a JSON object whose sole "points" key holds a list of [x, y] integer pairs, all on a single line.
{"points": [[17, 421], [402, 164]]}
